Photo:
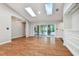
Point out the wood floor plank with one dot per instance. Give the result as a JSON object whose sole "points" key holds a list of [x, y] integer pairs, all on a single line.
{"points": [[34, 46]]}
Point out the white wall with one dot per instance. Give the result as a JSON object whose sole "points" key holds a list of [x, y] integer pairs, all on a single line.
{"points": [[59, 30], [31, 29], [27, 29], [18, 28], [67, 22], [71, 35], [75, 20], [5, 21]]}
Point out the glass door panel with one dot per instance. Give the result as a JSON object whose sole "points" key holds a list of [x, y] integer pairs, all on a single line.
{"points": [[44, 29]]}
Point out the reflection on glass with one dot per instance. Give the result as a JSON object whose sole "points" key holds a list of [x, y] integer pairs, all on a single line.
{"points": [[44, 30]]}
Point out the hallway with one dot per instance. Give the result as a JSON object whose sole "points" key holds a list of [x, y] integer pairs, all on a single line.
{"points": [[34, 46]]}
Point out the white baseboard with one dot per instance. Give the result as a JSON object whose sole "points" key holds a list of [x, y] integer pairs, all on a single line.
{"points": [[58, 36], [17, 37], [64, 44], [5, 42], [30, 36], [70, 49]]}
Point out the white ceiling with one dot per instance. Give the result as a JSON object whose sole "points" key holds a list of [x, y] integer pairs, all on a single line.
{"points": [[42, 17]]}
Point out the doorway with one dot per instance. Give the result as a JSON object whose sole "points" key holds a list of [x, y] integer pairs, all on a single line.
{"points": [[17, 28]]}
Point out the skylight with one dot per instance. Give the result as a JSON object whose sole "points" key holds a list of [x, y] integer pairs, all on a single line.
{"points": [[49, 8], [30, 11]]}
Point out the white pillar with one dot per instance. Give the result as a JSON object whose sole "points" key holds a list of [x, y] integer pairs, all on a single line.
{"points": [[27, 28]]}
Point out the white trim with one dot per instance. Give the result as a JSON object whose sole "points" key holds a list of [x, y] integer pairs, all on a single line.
{"points": [[58, 36], [17, 37], [69, 49], [31, 35], [5, 42]]}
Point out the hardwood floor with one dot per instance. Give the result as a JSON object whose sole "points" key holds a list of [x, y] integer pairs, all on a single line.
{"points": [[34, 46]]}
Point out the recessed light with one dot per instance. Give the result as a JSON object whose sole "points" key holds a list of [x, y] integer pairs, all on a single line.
{"points": [[30, 11], [39, 12]]}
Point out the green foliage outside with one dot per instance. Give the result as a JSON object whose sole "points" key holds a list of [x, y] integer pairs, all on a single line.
{"points": [[44, 28]]}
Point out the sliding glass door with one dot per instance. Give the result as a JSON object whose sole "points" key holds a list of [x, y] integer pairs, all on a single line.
{"points": [[44, 29]]}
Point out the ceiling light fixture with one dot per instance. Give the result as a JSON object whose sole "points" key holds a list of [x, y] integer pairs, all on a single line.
{"points": [[39, 12], [49, 8], [30, 11]]}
